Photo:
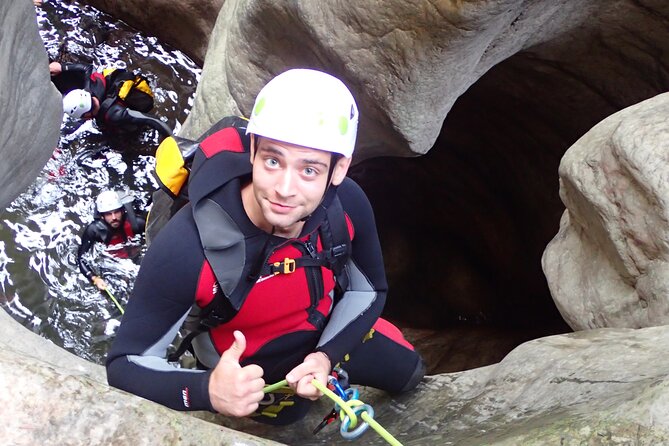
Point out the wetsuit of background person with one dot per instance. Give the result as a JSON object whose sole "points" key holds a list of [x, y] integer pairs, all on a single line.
{"points": [[88, 95], [235, 247], [114, 225]]}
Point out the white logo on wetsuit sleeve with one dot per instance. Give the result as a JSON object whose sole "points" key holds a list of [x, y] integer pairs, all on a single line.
{"points": [[185, 397]]}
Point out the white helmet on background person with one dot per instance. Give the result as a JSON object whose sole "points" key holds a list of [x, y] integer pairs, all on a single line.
{"points": [[308, 108], [77, 102], [108, 201]]}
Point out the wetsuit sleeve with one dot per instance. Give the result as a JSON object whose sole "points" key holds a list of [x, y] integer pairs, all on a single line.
{"points": [[161, 299], [89, 237], [121, 116], [72, 76], [361, 304], [84, 69]]}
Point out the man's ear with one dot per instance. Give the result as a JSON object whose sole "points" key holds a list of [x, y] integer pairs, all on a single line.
{"points": [[340, 170]]}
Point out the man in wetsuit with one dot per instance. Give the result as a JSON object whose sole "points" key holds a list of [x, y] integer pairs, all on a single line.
{"points": [[90, 95], [252, 247], [114, 224]]}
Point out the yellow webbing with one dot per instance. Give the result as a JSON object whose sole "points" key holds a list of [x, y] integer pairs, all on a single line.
{"points": [[142, 85]]}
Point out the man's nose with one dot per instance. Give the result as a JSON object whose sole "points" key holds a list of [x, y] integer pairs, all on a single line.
{"points": [[286, 183]]}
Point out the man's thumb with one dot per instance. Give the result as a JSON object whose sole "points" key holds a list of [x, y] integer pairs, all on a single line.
{"points": [[237, 348]]}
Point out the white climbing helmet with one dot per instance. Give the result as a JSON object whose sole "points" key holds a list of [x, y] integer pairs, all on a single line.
{"points": [[108, 201], [76, 103], [308, 108]]}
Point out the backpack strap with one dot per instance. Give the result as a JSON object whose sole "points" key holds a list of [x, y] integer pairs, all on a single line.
{"points": [[114, 80], [336, 241]]}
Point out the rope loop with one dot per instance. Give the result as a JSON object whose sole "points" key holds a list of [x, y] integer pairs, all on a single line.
{"points": [[345, 423]]}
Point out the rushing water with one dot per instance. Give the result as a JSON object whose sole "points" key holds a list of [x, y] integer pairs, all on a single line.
{"points": [[40, 231]]}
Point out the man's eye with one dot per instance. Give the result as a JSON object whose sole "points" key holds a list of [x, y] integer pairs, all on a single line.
{"points": [[310, 171], [271, 162]]}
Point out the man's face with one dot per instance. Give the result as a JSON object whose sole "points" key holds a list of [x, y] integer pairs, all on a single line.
{"points": [[288, 184], [113, 218]]}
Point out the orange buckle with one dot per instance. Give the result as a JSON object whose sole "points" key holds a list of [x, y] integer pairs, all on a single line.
{"points": [[288, 266]]}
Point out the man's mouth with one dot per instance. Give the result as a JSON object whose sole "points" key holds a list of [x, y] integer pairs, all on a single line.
{"points": [[280, 208]]}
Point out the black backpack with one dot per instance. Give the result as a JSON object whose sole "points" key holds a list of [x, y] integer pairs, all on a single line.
{"points": [[131, 88]]}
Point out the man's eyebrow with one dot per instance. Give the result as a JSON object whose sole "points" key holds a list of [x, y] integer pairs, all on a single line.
{"points": [[271, 150], [310, 162], [306, 161]]}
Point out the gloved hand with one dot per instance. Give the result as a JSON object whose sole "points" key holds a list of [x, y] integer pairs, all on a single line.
{"points": [[100, 283]]}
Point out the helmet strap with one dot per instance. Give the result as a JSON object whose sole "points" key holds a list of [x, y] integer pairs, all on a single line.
{"points": [[334, 158]]}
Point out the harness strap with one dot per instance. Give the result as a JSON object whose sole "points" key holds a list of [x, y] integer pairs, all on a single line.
{"points": [[185, 345], [288, 265], [339, 253], [217, 312], [131, 216]]}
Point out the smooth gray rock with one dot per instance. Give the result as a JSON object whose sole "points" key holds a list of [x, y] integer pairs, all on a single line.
{"points": [[57, 398], [605, 386], [608, 266], [406, 63], [31, 111]]}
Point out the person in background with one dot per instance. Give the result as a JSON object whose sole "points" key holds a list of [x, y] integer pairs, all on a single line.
{"points": [[118, 101], [114, 224]]}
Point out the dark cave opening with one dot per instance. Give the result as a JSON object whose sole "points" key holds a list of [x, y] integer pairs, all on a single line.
{"points": [[464, 227]]}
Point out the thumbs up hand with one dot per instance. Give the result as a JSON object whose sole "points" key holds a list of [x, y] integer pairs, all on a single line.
{"points": [[235, 390]]}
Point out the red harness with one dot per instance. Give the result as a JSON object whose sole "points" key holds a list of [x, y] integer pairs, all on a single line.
{"points": [[120, 236], [278, 304]]}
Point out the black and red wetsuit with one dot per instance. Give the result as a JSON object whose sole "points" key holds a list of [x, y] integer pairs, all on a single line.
{"points": [[284, 316], [117, 116], [99, 231]]}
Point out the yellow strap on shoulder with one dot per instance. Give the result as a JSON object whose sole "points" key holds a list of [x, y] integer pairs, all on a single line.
{"points": [[107, 71], [143, 86], [125, 89], [170, 168]]}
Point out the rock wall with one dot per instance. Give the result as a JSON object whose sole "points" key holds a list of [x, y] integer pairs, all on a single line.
{"points": [[31, 110], [185, 24], [57, 398], [406, 63], [603, 386]]}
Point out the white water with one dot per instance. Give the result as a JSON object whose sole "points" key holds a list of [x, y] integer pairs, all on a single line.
{"points": [[41, 285]]}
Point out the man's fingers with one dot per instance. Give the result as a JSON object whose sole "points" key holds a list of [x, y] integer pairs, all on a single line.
{"points": [[253, 371]]}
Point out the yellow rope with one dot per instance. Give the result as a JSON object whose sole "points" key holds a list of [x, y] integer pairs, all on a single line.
{"points": [[346, 408], [111, 296]]}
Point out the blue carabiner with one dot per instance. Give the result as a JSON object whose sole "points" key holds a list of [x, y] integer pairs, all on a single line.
{"points": [[362, 427], [337, 387], [351, 394]]}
